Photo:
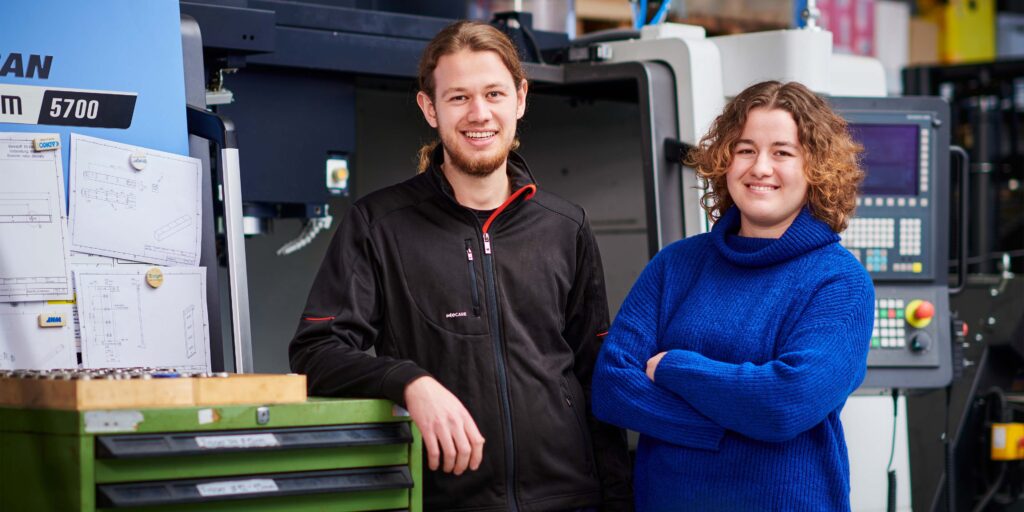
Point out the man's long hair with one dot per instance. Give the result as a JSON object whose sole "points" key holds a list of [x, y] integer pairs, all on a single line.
{"points": [[464, 35]]}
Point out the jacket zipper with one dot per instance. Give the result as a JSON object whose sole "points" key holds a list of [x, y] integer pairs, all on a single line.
{"points": [[472, 277], [492, 303]]}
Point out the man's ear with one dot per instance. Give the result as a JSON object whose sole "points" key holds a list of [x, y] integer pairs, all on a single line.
{"points": [[427, 106], [521, 99]]}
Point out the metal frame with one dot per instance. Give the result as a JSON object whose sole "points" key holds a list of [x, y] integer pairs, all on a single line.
{"points": [[205, 125], [663, 179]]}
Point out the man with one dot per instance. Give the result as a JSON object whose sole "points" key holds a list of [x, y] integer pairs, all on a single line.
{"points": [[484, 298]]}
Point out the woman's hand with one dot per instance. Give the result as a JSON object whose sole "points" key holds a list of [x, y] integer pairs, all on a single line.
{"points": [[652, 364]]}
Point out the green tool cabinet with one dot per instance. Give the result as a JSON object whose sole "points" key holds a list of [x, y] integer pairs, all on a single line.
{"points": [[320, 455]]}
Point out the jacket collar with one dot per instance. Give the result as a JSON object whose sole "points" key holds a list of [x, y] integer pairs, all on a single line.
{"points": [[806, 234], [518, 172]]}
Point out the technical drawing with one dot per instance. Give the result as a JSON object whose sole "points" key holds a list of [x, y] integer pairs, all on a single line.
{"points": [[190, 331], [172, 227], [152, 215], [124, 322], [109, 179], [169, 255], [33, 224], [25, 208], [110, 196]]}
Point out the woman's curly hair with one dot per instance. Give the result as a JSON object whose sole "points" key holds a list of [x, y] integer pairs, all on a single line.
{"points": [[832, 157]]}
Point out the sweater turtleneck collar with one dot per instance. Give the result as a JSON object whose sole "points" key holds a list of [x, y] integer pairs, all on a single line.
{"points": [[805, 235]]}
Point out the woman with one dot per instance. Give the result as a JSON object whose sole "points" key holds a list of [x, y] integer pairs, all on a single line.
{"points": [[735, 350]]}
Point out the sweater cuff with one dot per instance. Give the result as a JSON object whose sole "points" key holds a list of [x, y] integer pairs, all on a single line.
{"points": [[393, 386], [675, 370]]}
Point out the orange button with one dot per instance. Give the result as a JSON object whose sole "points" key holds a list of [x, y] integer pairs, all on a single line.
{"points": [[925, 310]]}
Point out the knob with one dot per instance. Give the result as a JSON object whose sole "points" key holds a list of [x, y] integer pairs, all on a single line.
{"points": [[920, 342], [340, 174], [920, 313]]}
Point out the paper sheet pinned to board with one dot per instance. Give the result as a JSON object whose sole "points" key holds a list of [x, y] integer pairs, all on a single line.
{"points": [[33, 227], [134, 203], [83, 261], [24, 345], [125, 322]]}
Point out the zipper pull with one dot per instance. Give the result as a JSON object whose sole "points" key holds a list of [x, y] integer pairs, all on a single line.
{"points": [[487, 243], [469, 253]]}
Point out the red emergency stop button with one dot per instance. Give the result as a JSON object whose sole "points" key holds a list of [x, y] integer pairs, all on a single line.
{"points": [[920, 313]]}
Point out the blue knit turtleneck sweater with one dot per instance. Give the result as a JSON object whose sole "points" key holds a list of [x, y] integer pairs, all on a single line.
{"points": [[765, 339]]}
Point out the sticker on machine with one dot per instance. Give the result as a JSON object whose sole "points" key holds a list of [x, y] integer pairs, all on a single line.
{"points": [[112, 421], [238, 441], [231, 487], [32, 104]]}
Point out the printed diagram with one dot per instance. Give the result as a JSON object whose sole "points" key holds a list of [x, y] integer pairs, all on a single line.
{"points": [[111, 334], [125, 322], [95, 174], [25, 209], [122, 196], [110, 196], [172, 227], [150, 215], [190, 331], [33, 229]]}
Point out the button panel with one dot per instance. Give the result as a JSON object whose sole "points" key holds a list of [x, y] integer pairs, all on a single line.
{"points": [[890, 331], [910, 237], [888, 244]]}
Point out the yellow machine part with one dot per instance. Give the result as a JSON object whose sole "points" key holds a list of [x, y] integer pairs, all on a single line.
{"points": [[967, 29], [1007, 441]]}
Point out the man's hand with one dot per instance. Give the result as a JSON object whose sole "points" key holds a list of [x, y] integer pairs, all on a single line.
{"points": [[652, 364], [446, 426]]}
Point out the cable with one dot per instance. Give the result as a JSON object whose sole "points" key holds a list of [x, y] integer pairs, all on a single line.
{"points": [[533, 43], [1002, 416], [634, 5], [974, 260], [950, 456], [890, 472], [662, 12], [991, 490], [501, 20]]}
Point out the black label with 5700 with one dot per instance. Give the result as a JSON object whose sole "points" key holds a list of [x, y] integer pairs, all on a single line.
{"points": [[74, 108]]}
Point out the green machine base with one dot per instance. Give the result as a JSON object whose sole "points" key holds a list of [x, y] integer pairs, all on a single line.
{"points": [[323, 454]]}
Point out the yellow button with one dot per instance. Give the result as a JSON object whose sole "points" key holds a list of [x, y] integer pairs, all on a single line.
{"points": [[918, 267], [340, 174]]}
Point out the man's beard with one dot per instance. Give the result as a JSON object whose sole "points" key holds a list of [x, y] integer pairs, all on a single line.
{"points": [[481, 167]]}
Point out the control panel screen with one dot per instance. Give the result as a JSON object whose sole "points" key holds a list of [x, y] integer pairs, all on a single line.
{"points": [[890, 158]]}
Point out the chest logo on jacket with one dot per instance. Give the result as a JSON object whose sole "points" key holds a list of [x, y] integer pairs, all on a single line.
{"points": [[456, 314]]}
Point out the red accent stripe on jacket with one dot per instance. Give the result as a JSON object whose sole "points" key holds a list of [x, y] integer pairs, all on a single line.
{"points": [[602, 334], [318, 318], [531, 187]]}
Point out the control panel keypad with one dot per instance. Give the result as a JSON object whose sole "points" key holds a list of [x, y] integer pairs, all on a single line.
{"points": [[887, 244], [890, 325], [910, 237], [873, 232]]}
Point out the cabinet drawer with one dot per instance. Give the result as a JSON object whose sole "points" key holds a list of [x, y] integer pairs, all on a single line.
{"points": [[387, 487]]}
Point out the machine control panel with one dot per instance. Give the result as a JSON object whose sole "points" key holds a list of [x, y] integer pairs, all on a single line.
{"points": [[892, 233], [900, 233], [909, 331]]}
